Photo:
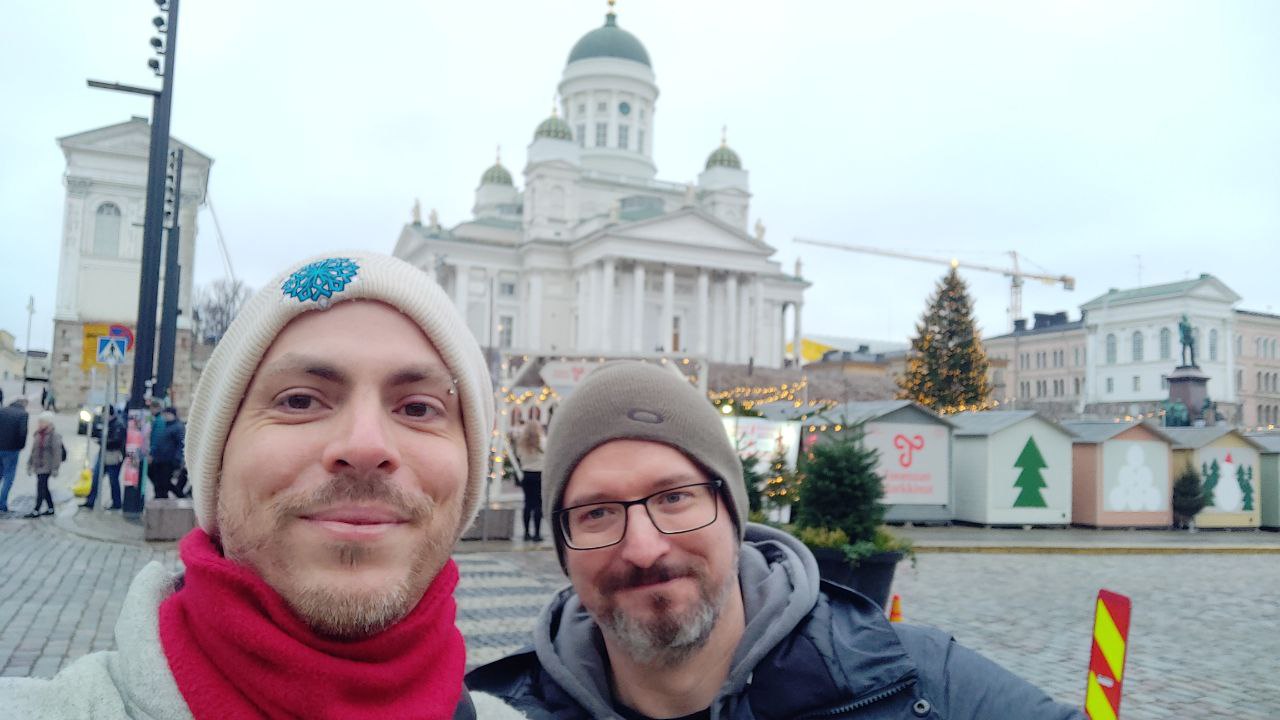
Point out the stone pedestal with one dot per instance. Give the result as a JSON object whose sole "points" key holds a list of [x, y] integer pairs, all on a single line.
{"points": [[1189, 386], [492, 524], [168, 519]]}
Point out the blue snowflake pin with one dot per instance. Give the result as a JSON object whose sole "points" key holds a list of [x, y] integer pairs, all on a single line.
{"points": [[320, 280]]}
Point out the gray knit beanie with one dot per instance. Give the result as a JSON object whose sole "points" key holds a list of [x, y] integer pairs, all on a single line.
{"points": [[317, 284], [630, 400]]}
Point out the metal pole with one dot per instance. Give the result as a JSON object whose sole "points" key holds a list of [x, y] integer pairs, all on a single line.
{"points": [[152, 228], [26, 355], [172, 281]]}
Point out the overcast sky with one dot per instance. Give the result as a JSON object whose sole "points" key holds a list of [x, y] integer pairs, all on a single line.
{"points": [[1118, 142]]}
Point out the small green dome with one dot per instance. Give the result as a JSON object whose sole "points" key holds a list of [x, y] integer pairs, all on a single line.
{"points": [[555, 128], [610, 41], [496, 175], [724, 156]]}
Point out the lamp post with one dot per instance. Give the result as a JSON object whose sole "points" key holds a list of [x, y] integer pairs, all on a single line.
{"points": [[26, 355], [172, 279], [153, 222]]}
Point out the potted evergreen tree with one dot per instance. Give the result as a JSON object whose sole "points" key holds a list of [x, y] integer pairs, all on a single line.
{"points": [[1189, 497], [839, 516]]}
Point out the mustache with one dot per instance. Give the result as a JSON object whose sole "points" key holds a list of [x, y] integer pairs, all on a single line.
{"points": [[355, 488], [637, 576]]}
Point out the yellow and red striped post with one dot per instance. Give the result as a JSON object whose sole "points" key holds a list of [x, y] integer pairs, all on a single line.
{"points": [[1106, 660]]}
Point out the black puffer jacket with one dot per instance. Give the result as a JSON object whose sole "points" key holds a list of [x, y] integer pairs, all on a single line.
{"points": [[13, 428], [823, 652]]}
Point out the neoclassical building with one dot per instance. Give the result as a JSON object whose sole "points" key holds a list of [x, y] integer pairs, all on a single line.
{"points": [[1116, 358], [595, 255], [100, 258]]}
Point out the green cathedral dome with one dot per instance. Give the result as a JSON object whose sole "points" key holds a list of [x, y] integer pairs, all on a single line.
{"points": [[610, 41], [724, 156], [553, 127], [496, 175]]}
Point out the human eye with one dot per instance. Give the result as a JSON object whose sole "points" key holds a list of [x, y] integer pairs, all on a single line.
{"points": [[421, 409], [595, 515], [297, 402], [674, 498]]}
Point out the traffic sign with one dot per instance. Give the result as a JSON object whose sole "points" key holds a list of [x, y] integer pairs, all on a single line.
{"points": [[1106, 658], [111, 350]]}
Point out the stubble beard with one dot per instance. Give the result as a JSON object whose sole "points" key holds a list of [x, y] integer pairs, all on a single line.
{"points": [[669, 637], [338, 613]]}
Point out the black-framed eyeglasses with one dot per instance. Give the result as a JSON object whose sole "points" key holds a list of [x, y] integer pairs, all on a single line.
{"points": [[672, 511]]}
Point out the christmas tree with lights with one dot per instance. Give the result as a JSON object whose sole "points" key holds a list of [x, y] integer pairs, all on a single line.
{"points": [[947, 367]]}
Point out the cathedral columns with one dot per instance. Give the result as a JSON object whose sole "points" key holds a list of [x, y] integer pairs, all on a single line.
{"points": [[731, 318], [584, 299], [593, 308], [461, 288], [759, 326], [799, 338], [637, 308], [533, 311], [704, 302], [668, 308], [606, 305]]}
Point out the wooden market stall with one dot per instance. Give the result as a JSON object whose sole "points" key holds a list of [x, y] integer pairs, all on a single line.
{"points": [[1228, 465], [1121, 474], [1011, 468], [914, 445], [1268, 477]]}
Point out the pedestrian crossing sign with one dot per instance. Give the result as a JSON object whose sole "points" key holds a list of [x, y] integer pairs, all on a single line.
{"points": [[111, 350]]}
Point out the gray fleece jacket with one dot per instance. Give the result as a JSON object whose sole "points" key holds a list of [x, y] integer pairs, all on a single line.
{"points": [[810, 649], [134, 680]]}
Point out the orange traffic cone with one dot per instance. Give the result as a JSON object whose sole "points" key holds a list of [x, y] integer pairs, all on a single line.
{"points": [[895, 609]]}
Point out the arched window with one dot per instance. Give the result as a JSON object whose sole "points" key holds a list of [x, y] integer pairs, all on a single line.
{"points": [[1259, 381], [1166, 343], [106, 231], [1137, 346], [1239, 345], [1273, 349], [1111, 349], [1213, 344]]}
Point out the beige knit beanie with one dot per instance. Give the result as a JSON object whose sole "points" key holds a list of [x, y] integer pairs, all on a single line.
{"points": [[631, 400], [316, 284]]}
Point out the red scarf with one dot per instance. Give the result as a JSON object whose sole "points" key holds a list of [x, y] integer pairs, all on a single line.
{"points": [[237, 651]]}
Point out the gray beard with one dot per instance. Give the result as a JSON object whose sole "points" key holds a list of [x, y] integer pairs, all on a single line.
{"points": [[669, 639]]}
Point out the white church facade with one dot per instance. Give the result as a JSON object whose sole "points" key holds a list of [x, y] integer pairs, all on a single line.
{"points": [[100, 256], [596, 256]]}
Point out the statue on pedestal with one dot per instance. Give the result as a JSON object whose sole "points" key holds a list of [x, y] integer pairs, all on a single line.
{"points": [[1188, 341]]}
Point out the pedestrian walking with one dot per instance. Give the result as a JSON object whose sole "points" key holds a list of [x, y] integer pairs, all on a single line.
{"points": [[112, 457], [47, 454], [529, 451], [13, 438], [166, 454]]}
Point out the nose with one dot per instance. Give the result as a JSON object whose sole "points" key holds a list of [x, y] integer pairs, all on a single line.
{"points": [[643, 545], [364, 440]]}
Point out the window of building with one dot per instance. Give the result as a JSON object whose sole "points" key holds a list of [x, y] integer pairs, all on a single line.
{"points": [[1111, 349], [582, 134], [1137, 382], [624, 134], [1111, 385], [1259, 381], [506, 326], [582, 109], [106, 231], [1166, 343], [675, 334], [1273, 349], [602, 107], [1213, 344], [1077, 357], [602, 134], [641, 112], [1164, 382], [1137, 346], [1239, 345], [1024, 389], [639, 140], [507, 289], [1075, 386], [1239, 380]]}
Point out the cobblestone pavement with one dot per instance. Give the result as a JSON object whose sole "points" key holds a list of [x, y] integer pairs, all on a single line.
{"points": [[1204, 643]]}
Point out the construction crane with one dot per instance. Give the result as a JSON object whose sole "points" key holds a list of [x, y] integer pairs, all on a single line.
{"points": [[1015, 273]]}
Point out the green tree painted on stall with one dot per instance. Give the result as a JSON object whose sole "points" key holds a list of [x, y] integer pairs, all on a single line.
{"points": [[1212, 474], [1030, 481], [1245, 481]]}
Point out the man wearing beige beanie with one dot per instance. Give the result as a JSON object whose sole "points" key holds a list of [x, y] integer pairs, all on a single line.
{"points": [[680, 608], [336, 448]]}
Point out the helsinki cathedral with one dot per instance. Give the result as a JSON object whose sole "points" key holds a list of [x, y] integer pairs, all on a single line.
{"points": [[595, 255]]}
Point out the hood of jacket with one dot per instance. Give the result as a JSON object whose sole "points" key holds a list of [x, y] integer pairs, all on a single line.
{"points": [[789, 637]]}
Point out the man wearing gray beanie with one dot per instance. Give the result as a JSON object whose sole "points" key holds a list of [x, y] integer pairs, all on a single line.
{"points": [[680, 608], [336, 446]]}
